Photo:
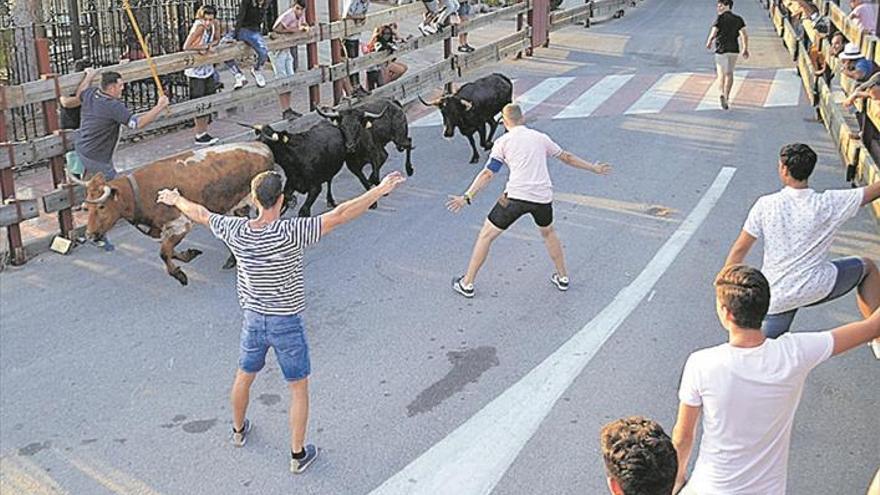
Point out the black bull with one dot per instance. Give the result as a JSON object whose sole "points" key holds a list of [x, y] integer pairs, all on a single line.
{"points": [[367, 128], [474, 106]]}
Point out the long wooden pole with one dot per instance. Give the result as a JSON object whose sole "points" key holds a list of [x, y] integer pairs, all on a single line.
{"points": [[137, 31]]}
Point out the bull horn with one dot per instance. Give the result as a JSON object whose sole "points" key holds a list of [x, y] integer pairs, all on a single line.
{"points": [[71, 178], [104, 196], [255, 127], [374, 116], [429, 104], [467, 104], [327, 115]]}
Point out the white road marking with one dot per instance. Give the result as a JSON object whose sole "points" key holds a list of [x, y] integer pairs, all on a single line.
{"points": [[656, 98], [590, 100], [785, 91], [533, 97], [712, 98], [472, 459]]}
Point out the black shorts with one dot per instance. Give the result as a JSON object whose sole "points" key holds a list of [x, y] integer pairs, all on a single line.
{"points": [[199, 87], [507, 211], [352, 48]]}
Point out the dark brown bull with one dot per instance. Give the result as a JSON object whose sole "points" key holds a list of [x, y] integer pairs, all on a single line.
{"points": [[218, 177]]}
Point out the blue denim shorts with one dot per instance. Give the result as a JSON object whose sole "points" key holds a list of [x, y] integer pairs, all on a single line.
{"points": [[284, 334], [851, 271]]}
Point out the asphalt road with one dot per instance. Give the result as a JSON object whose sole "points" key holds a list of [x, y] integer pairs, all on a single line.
{"points": [[114, 379]]}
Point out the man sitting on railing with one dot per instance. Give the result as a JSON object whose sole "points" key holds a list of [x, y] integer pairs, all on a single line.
{"points": [[855, 66], [436, 18], [355, 10]]}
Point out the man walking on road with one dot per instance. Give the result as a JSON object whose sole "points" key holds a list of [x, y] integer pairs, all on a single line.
{"points": [[798, 226], [726, 31], [269, 251], [102, 113], [748, 390], [528, 191]]}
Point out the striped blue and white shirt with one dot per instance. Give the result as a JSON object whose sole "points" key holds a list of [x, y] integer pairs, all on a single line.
{"points": [[270, 260]]}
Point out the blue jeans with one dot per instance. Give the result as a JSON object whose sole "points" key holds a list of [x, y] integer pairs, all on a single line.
{"points": [[256, 41], [851, 271], [284, 334]]}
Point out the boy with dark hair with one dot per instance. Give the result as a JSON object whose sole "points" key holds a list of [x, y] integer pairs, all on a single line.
{"points": [[726, 32], [639, 457], [249, 28], [748, 390], [285, 61], [798, 226], [271, 292]]}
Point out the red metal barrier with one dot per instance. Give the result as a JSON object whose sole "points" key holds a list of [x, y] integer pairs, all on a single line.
{"points": [[539, 21], [312, 54], [335, 49]]}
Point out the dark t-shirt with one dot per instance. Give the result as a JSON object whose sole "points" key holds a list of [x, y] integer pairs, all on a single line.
{"points": [[99, 130], [729, 26], [70, 117], [251, 15]]}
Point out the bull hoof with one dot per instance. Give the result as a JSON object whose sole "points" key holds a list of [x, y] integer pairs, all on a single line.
{"points": [[475, 158], [488, 145], [304, 213], [230, 263], [410, 170], [180, 276], [374, 206], [331, 203], [188, 255]]}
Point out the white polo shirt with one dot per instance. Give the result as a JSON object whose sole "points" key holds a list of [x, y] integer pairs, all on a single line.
{"points": [[798, 226], [525, 153], [748, 398]]}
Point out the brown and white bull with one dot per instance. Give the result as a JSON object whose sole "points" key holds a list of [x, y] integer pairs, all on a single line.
{"points": [[218, 177]]}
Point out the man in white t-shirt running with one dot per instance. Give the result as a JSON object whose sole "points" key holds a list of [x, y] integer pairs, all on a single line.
{"points": [[748, 390], [798, 226], [528, 191]]}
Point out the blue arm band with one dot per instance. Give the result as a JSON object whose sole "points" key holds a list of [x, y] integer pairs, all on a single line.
{"points": [[494, 165]]}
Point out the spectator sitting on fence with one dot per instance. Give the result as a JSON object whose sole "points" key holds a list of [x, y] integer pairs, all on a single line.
{"points": [[286, 60], [855, 66], [249, 28], [385, 39], [747, 390], [864, 13], [202, 37], [639, 457], [437, 17]]}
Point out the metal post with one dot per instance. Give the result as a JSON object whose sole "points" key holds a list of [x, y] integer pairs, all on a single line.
{"points": [[312, 54], [50, 118], [447, 54], [520, 20], [335, 49], [75, 34], [7, 188]]}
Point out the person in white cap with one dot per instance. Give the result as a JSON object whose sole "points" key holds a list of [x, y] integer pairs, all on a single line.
{"points": [[855, 66]]}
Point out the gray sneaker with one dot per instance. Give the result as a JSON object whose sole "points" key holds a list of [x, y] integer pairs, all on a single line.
{"points": [[239, 438], [298, 466]]}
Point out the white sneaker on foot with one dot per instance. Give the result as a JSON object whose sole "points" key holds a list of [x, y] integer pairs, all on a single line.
{"points": [[258, 78], [240, 81]]}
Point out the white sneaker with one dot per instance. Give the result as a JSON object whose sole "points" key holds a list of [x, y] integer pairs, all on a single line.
{"points": [[875, 346], [258, 78], [240, 81]]}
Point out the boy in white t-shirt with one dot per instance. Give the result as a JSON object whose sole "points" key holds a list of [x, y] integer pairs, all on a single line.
{"points": [[798, 226], [748, 390]]}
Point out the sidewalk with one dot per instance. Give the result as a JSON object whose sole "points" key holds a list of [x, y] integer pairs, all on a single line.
{"points": [[130, 155]]}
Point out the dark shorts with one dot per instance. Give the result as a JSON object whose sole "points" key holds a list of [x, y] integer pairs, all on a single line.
{"points": [[201, 87], [851, 271], [507, 211], [284, 334], [352, 48]]}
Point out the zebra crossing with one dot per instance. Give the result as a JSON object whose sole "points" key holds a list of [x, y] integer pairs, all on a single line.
{"points": [[568, 97]]}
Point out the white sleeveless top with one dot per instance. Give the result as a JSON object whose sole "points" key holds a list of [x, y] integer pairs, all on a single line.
{"points": [[207, 70]]}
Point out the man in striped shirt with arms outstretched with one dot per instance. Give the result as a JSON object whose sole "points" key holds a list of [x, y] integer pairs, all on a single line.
{"points": [[269, 251]]}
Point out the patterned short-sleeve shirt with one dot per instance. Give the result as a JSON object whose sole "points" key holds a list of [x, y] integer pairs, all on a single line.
{"points": [[270, 260], [798, 227]]}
